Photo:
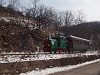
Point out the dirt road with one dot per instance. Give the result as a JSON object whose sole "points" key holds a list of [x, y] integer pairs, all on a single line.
{"points": [[91, 69]]}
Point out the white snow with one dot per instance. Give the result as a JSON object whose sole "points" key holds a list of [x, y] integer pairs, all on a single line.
{"points": [[31, 24], [38, 56], [79, 38], [57, 69], [5, 19]]}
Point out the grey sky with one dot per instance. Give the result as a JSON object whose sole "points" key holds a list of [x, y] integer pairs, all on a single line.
{"points": [[89, 7]]}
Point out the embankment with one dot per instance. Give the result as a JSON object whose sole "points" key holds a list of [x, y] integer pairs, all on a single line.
{"points": [[20, 67]]}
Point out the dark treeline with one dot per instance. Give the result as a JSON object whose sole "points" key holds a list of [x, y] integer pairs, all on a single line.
{"points": [[89, 30]]}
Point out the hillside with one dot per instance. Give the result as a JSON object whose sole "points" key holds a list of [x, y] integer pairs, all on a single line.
{"points": [[90, 30], [19, 34]]}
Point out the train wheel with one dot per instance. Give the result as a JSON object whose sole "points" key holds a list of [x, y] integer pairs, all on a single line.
{"points": [[69, 51], [50, 50], [59, 52], [55, 52]]}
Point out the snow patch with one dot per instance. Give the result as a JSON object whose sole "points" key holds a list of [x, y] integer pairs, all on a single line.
{"points": [[57, 69], [38, 56]]}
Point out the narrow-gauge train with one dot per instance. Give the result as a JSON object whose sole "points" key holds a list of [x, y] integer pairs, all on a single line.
{"points": [[67, 44]]}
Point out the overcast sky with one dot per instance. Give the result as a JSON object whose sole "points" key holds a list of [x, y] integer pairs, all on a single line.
{"points": [[91, 8]]}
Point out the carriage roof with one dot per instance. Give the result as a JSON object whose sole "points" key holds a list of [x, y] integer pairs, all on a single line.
{"points": [[78, 38]]}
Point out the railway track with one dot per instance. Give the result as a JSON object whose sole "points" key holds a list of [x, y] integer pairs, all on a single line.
{"points": [[3, 54], [17, 57], [41, 54]]}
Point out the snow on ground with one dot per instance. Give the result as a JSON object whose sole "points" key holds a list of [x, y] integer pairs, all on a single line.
{"points": [[37, 56], [20, 58], [91, 53], [32, 25], [57, 69]]}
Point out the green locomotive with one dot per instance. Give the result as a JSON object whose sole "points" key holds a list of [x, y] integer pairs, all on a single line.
{"points": [[66, 44]]}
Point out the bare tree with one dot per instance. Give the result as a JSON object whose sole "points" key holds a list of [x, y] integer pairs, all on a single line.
{"points": [[50, 17], [61, 18], [13, 8], [80, 18], [1, 7], [45, 16], [41, 18], [23, 10], [28, 15], [69, 18], [2, 2], [15, 4], [34, 8]]}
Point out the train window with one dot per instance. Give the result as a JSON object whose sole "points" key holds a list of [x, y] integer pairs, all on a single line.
{"points": [[75, 41], [82, 42], [79, 42], [85, 43]]}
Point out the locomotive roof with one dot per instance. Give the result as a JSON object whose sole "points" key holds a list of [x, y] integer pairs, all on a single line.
{"points": [[78, 38]]}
